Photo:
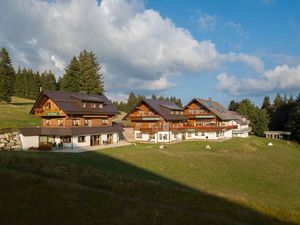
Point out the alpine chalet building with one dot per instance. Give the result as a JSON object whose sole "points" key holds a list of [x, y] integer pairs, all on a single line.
{"points": [[163, 121], [70, 120], [156, 121], [208, 119]]}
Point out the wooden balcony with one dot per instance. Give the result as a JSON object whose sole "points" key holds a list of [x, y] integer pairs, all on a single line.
{"points": [[200, 116], [145, 118], [47, 112]]}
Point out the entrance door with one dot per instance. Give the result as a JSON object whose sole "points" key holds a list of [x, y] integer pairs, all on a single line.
{"points": [[110, 138], [183, 136], [95, 140]]}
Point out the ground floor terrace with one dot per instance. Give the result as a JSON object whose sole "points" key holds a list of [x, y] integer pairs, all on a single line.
{"points": [[69, 138], [163, 136]]}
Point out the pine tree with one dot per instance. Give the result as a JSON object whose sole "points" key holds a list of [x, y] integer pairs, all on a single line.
{"points": [[48, 81], [233, 105], [70, 80], [7, 76], [266, 104], [90, 77], [153, 96]]}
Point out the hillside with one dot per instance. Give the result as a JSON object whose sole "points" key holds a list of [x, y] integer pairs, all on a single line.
{"points": [[240, 181], [16, 113]]}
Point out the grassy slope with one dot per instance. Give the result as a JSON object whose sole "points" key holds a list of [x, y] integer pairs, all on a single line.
{"points": [[16, 114], [244, 171]]}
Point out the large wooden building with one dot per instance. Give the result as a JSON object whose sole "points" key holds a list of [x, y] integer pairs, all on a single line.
{"points": [[163, 121], [71, 120], [208, 119], [156, 121]]}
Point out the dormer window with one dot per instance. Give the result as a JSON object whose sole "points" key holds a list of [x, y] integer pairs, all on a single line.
{"points": [[83, 104]]}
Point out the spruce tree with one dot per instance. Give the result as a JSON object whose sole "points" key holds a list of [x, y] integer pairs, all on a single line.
{"points": [[267, 104], [7, 76], [48, 81], [90, 77], [70, 80]]}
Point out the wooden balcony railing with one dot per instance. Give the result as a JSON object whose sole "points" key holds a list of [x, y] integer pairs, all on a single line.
{"points": [[145, 118], [46, 112]]}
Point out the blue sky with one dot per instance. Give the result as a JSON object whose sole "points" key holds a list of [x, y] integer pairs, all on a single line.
{"points": [[268, 29], [220, 49]]}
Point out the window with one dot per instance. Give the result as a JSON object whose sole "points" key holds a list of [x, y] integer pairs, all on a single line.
{"points": [[60, 122], [100, 106], [138, 124], [172, 112], [141, 113], [104, 122], [138, 135], [175, 135], [81, 139], [160, 137], [66, 139], [48, 122], [83, 105], [93, 105], [189, 134], [87, 122], [48, 105], [202, 134], [196, 133], [165, 137], [151, 136], [76, 122]]}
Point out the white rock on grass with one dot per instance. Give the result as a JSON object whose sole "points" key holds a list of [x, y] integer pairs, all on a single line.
{"points": [[270, 144], [207, 147], [162, 147]]}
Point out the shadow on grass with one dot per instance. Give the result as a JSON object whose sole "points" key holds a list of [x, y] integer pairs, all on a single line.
{"points": [[21, 103], [135, 195]]}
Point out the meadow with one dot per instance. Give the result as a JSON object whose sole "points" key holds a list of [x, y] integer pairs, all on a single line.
{"points": [[239, 181], [16, 114]]}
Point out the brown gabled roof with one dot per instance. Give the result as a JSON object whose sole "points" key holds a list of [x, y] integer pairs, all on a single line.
{"points": [[70, 103], [215, 108], [240, 118], [35, 131], [163, 108]]}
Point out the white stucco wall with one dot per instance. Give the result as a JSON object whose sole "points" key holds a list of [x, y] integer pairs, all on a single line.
{"points": [[29, 141], [87, 141]]}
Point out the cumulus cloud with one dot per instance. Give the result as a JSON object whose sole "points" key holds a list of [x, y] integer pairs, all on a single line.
{"points": [[138, 49], [206, 22], [279, 78]]}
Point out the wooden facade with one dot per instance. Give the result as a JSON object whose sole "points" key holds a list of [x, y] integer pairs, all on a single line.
{"points": [[53, 116], [202, 119]]}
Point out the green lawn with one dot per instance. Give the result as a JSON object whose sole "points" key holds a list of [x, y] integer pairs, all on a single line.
{"points": [[240, 181], [16, 114]]}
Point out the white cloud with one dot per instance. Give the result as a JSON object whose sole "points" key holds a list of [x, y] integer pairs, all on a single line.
{"points": [[280, 78], [206, 22], [139, 50]]}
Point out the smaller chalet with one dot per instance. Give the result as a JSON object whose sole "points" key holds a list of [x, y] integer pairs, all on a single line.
{"points": [[208, 119], [156, 121], [71, 120]]}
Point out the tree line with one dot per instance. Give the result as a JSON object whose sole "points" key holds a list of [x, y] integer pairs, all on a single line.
{"points": [[81, 75], [134, 99], [283, 114]]}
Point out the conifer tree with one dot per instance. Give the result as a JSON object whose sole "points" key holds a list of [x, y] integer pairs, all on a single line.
{"points": [[48, 81], [7, 76], [266, 104], [90, 77], [70, 80]]}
